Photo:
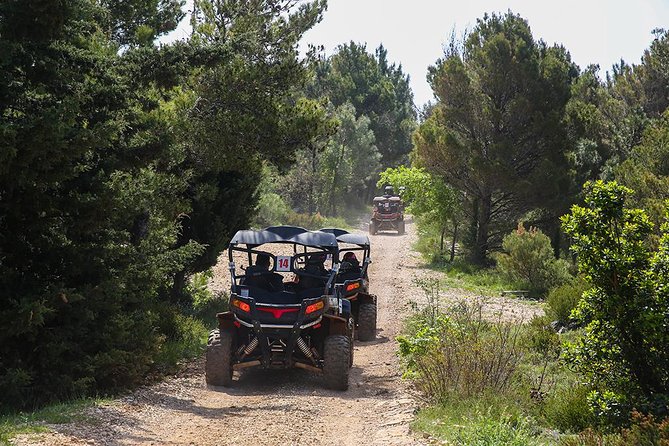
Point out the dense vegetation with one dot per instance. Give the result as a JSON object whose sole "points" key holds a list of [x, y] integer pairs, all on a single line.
{"points": [[370, 103], [515, 131], [124, 167]]}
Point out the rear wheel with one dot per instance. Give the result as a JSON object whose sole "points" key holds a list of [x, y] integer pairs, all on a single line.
{"points": [[218, 366], [400, 227], [373, 227], [367, 322], [336, 358]]}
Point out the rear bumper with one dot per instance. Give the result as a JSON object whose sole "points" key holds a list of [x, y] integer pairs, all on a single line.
{"points": [[278, 326]]}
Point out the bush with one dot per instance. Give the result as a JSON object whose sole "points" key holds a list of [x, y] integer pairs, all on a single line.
{"points": [[459, 353], [529, 260], [623, 351], [568, 409], [271, 210], [643, 431], [563, 299], [315, 221], [185, 328], [483, 420]]}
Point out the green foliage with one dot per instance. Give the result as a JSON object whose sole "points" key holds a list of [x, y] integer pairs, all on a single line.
{"points": [[476, 422], [568, 408], [425, 194], [622, 352], [646, 171], [142, 21], [495, 134], [562, 300], [271, 210], [377, 90], [529, 259], [244, 111], [87, 214], [460, 354], [349, 160], [606, 121], [430, 200], [118, 179]]}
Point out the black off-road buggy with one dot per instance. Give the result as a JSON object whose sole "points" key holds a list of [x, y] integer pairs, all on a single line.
{"points": [[353, 279], [278, 323], [387, 213]]}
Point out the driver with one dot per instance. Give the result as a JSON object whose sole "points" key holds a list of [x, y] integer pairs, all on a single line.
{"points": [[349, 268], [259, 275]]}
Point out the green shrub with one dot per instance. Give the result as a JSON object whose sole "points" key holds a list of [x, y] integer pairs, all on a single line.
{"points": [[539, 336], [564, 298], [483, 420], [271, 210], [529, 260], [568, 409], [185, 328], [460, 353], [315, 221], [187, 341], [623, 351]]}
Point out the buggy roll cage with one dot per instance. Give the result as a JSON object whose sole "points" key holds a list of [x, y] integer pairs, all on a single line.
{"points": [[320, 242], [361, 240]]}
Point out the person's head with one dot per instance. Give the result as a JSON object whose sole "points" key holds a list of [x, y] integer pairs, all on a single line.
{"points": [[262, 260], [388, 190], [350, 257], [316, 259]]}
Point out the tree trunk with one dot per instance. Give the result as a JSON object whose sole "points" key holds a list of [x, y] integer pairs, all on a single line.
{"points": [[481, 246], [455, 237], [312, 192], [177, 292], [556, 241], [441, 242]]}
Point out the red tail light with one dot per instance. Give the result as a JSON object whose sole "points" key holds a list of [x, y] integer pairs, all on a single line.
{"points": [[352, 286], [241, 305], [314, 307]]}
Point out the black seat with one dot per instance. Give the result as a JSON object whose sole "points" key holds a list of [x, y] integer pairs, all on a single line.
{"points": [[261, 278]]}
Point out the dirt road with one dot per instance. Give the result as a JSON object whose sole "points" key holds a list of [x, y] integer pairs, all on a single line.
{"points": [[277, 407]]}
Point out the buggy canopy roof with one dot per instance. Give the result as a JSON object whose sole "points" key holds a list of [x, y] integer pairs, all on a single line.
{"points": [[285, 234], [395, 198], [347, 237]]}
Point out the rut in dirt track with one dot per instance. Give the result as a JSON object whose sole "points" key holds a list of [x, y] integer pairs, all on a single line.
{"points": [[279, 407]]}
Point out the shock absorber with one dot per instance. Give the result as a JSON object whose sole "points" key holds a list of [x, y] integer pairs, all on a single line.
{"points": [[304, 348], [250, 347]]}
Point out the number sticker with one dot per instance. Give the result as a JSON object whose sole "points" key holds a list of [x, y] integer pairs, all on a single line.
{"points": [[282, 263]]}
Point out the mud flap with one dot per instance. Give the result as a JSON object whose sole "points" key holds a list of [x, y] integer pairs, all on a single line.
{"points": [[226, 321]]}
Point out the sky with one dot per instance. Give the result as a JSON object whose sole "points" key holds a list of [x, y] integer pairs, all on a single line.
{"points": [[414, 32]]}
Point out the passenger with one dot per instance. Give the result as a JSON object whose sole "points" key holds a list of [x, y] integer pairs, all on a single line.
{"points": [[350, 258], [349, 268], [315, 267], [259, 275]]}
